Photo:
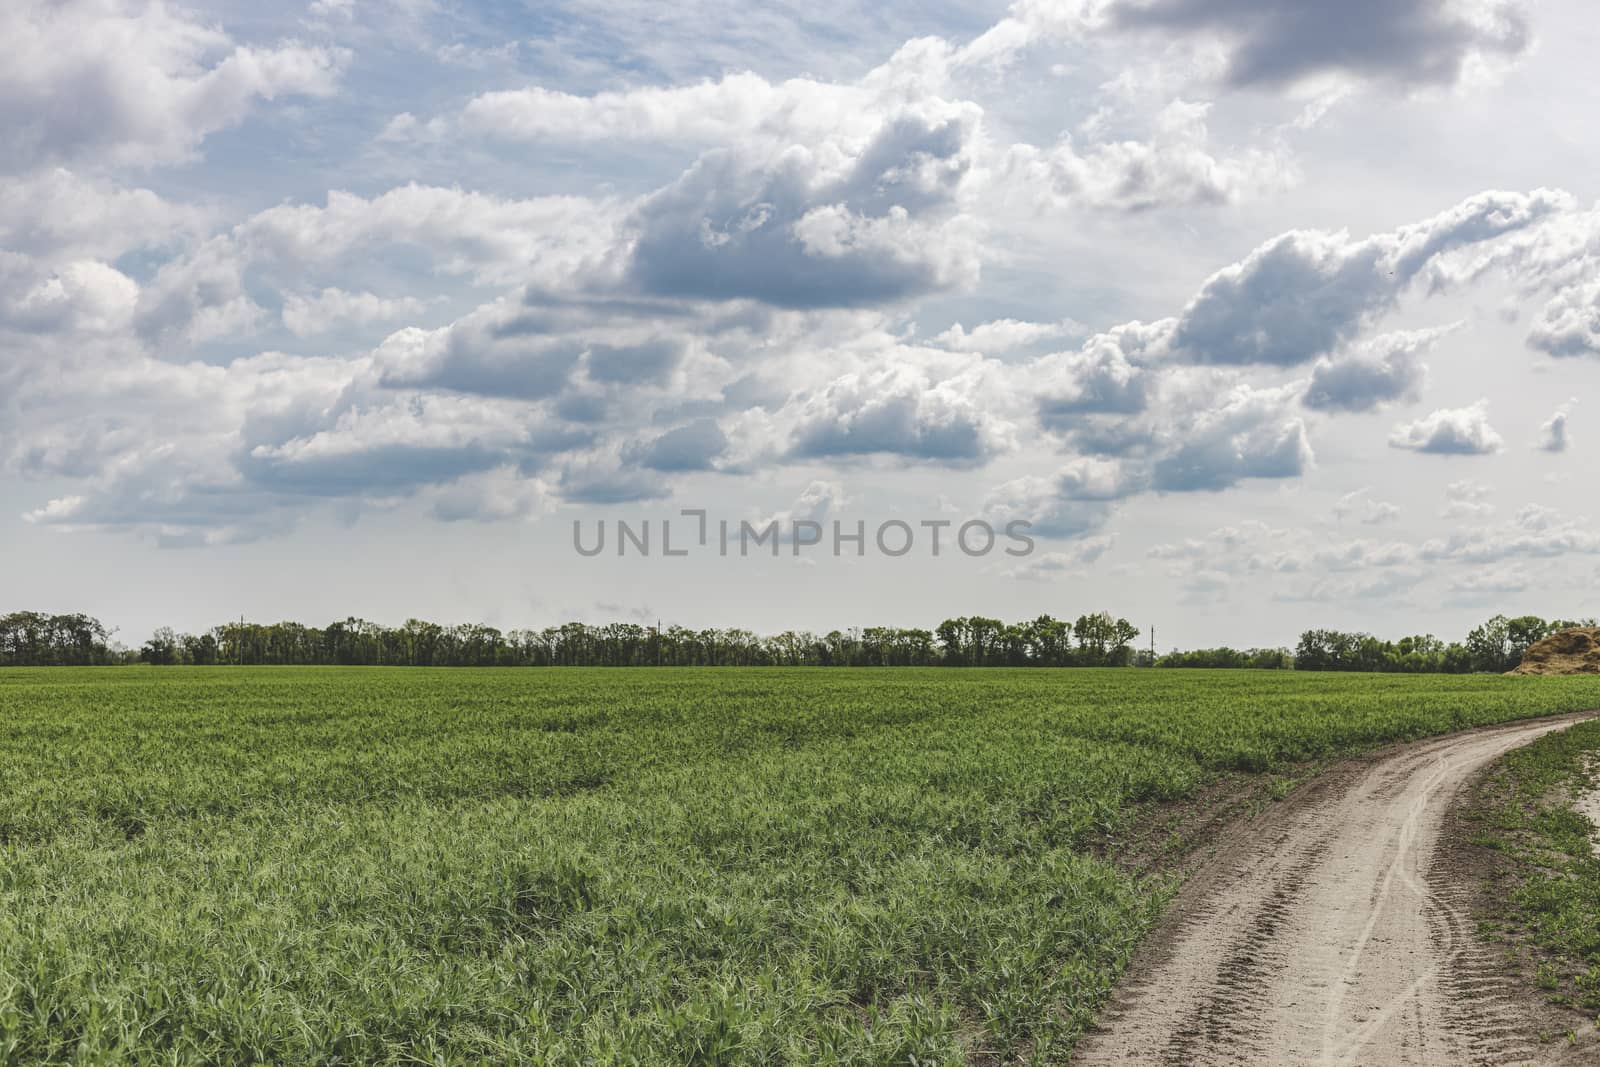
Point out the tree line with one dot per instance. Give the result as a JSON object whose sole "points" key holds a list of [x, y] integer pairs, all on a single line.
{"points": [[1494, 647], [1092, 640], [34, 639]]}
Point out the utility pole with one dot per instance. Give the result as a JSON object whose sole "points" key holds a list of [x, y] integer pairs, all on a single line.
{"points": [[1152, 646]]}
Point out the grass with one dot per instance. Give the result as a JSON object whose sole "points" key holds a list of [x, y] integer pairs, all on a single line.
{"points": [[1526, 812], [287, 865]]}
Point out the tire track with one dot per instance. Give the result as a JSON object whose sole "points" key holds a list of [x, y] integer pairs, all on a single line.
{"points": [[1326, 933]]}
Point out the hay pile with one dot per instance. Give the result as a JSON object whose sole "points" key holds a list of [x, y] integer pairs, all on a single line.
{"points": [[1575, 651]]}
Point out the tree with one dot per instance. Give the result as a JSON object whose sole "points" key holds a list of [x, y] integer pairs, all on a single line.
{"points": [[1103, 640], [1521, 632], [163, 649], [1490, 644]]}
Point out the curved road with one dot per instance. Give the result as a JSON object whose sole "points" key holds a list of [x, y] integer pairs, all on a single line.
{"points": [[1329, 935]]}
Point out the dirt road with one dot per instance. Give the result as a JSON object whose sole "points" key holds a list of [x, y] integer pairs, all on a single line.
{"points": [[1328, 931]]}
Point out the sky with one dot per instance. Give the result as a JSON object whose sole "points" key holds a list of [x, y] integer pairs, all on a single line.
{"points": [[1261, 315]]}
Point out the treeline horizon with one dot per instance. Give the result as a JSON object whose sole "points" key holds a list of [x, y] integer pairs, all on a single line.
{"points": [[34, 639]]}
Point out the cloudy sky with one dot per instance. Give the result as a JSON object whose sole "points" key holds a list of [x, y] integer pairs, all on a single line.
{"points": [[1265, 313]]}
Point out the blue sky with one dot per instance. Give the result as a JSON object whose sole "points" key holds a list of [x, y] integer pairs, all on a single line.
{"points": [[1264, 318]]}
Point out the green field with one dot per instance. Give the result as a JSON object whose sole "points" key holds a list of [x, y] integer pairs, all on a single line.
{"points": [[1549, 874], [294, 865]]}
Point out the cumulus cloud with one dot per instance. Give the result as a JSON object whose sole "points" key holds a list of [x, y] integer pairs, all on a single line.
{"points": [[1466, 499], [804, 193], [1252, 433], [730, 108], [198, 296], [645, 361], [753, 311], [1388, 369], [1057, 564], [1569, 325], [56, 214], [1450, 432], [1307, 292], [1005, 335], [694, 446], [1102, 378], [1277, 43], [1077, 500], [818, 501], [478, 355], [1536, 533], [602, 478], [906, 411], [1361, 506], [1299, 564], [1388, 588], [546, 240], [385, 448], [108, 82], [1493, 582], [492, 496], [1177, 165], [306, 315], [83, 295], [1553, 435], [812, 229], [154, 445], [202, 293]]}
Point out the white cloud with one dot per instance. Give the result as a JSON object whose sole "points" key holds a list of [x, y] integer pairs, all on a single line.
{"points": [[1057, 564], [736, 106], [1494, 582], [820, 500], [1176, 166], [1004, 335], [1361, 506], [493, 496], [832, 225], [1553, 435], [109, 82], [1295, 564], [1251, 433], [1306, 293], [308, 315], [1282, 43], [1103, 377], [1535, 533], [60, 214], [554, 242], [1569, 325], [907, 411], [1385, 370], [1076, 501], [491, 240], [83, 295], [1450, 431], [1466, 499]]}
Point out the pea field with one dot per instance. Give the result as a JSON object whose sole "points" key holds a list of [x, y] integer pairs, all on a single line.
{"points": [[631, 866]]}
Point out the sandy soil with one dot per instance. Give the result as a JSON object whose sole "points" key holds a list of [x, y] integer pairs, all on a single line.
{"points": [[1589, 804], [1332, 930]]}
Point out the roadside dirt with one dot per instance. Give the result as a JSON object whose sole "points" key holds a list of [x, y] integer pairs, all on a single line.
{"points": [[1334, 928], [1588, 804]]}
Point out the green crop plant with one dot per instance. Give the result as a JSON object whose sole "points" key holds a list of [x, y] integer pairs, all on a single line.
{"points": [[369, 865]]}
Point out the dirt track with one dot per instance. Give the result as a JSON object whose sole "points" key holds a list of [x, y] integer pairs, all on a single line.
{"points": [[1330, 931]]}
